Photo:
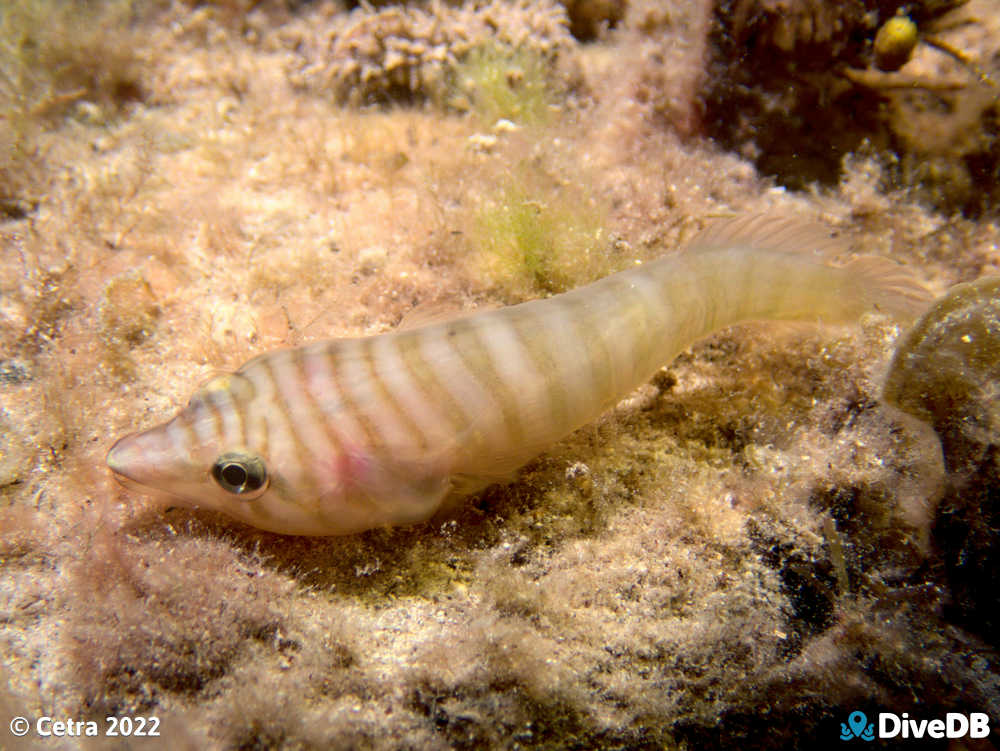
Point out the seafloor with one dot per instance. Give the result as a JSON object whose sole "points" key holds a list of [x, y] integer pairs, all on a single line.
{"points": [[742, 553]]}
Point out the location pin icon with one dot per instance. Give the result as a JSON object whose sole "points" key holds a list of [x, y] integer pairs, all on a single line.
{"points": [[857, 721]]}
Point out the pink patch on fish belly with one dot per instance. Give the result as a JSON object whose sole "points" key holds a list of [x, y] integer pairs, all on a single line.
{"points": [[345, 469]]}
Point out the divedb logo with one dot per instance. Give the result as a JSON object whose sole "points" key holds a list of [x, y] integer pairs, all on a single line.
{"points": [[890, 725]]}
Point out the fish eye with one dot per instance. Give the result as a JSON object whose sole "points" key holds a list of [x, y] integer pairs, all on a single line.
{"points": [[240, 474]]}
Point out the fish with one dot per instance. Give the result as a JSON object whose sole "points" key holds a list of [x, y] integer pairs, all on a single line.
{"points": [[340, 436]]}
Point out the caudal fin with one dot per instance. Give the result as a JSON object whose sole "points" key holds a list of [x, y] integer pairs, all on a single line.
{"points": [[865, 283]]}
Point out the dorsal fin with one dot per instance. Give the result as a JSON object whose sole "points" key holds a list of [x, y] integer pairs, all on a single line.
{"points": [[770, 231], [436, 311]]}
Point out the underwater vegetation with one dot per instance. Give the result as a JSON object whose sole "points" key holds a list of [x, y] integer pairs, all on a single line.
{"points": [[409, 54], [503, 84], [530, 241], [797, 86], [57, 58]]}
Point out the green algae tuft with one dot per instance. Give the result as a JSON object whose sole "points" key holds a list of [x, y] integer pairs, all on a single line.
{"points": [[533, 243], [505, 84]]}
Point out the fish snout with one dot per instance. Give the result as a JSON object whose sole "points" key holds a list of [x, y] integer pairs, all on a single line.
{"points": [[139, 457]]}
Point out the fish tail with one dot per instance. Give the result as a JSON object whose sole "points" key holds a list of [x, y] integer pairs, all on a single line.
{"points": [[791, 261], [888, 287]]}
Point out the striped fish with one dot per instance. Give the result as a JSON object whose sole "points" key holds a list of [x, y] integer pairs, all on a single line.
{"points": [[341, 436]]}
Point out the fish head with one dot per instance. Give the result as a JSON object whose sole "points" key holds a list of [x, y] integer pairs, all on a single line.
{"points": [[216, 454], [226, 451]]}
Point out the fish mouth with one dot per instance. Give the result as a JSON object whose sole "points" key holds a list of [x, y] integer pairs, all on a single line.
{"points": [[123, 460], [129, 484], [132, 462], [137, 461]]}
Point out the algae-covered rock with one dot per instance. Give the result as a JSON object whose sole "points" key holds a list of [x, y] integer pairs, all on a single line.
{"points": [[946, 372], [403, 54], [797, 86]]}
